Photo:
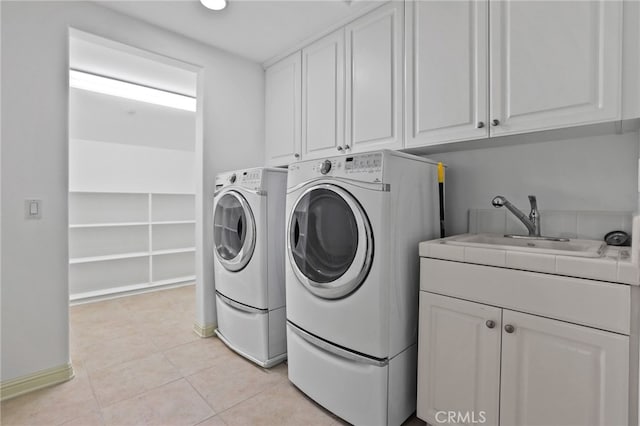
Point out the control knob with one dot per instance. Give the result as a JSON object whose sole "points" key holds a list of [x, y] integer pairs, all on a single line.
{"points": [[232, 178], [325, 167]]}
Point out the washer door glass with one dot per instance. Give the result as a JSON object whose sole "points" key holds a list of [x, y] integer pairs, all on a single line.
{"points": [[233, 231], [330, 242]]}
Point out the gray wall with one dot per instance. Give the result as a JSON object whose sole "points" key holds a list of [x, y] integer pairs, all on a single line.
{"points": [[589, 173]]}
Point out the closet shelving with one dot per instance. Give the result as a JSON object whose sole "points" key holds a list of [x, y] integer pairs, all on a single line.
{"points": [[123, 242]]}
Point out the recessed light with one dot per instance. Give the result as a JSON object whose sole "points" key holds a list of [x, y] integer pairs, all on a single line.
{"points": [[214, 4]]}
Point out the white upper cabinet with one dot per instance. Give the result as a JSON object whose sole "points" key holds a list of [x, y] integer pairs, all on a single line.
{"points": [[554, 64], [323, 96], [474, 69], [374, 51], [556, 373], [447, 72], [282, 111]]}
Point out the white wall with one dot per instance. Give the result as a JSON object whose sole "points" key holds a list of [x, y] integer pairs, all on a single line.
{"points": [[34, 161], [589, 173], [96, 166], [94, 116], [122, 145]]}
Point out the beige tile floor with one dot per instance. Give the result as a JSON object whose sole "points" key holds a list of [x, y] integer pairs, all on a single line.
{"points": [[138, 362]]}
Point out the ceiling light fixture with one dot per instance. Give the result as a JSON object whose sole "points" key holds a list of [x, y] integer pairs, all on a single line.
{"points": [[214, 4], [109, 86]]}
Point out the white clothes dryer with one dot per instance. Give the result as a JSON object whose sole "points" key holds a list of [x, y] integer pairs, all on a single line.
{"points": [[353, 227], [248, 225]]}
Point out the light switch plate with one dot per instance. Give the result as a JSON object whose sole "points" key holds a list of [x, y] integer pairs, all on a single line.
{"points": [[33, 209]]}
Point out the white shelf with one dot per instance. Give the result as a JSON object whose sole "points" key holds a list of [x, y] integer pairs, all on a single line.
{"points": [[87, 295], [106, 192], [106, 224], [172, 207], [174, 222], [90, 296], [170, 266], [174, 236], [175, 280], [172, 251], [109, 274], [90, 259], [112, 224], [124, 242], [92, 207]]}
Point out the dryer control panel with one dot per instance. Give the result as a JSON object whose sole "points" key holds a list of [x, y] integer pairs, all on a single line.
{"points": [[365, 167], [367, 163]]}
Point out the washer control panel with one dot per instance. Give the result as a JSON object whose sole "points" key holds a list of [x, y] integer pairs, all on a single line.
{"points": [[250, 179]]}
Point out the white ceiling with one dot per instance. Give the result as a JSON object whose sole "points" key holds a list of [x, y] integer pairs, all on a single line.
{"points": [[255, 29]]}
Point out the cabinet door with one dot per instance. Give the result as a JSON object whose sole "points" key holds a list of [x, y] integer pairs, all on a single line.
{"points": [[447, 76], [374, 79], [458, 360], [554, 64], [557, 373], [282, 111], [323, 96]]}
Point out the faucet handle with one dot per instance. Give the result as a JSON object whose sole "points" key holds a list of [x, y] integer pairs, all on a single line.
{"points": [[534, 202]]}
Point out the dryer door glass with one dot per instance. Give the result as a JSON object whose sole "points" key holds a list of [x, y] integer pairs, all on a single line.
{"points": [[233, 231], [330, 242]]}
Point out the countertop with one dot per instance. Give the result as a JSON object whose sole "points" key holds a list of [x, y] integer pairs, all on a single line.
{"points": [[614, 266]]}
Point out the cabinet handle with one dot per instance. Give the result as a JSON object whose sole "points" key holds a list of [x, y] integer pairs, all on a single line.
{"points": [[495, 122], [296, 155], [490, 323], [480, 125], [509, 328], [339, 148]]}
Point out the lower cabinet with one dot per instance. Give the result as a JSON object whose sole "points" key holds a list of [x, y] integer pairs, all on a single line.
{"points": [[458, 359], [557, 373], [487, 365]]}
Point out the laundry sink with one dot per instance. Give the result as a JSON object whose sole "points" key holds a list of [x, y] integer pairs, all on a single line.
{"points": [[563, 247]]}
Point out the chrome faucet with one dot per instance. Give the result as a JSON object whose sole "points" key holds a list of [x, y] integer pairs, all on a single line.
{"points": [[532, 222]]}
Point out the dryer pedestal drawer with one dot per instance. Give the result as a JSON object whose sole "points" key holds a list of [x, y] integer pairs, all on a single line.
{"points": [[361, 392], [258, 335]]}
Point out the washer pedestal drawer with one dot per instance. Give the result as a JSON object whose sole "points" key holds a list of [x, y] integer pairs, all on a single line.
{"points": [[258, 335], [359, 391]]}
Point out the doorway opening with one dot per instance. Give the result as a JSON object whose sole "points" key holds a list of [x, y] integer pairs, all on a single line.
{"points": [[132, 170]]}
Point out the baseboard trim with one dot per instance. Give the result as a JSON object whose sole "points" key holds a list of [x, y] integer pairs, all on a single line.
{"points": [[38, 380], [204, 330]]}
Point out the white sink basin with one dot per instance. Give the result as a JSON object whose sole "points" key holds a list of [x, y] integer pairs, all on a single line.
{"points": [[580, 248]]}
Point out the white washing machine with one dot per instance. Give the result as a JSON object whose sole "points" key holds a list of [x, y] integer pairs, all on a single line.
{"points": [[353, 227], [248, 228]]}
